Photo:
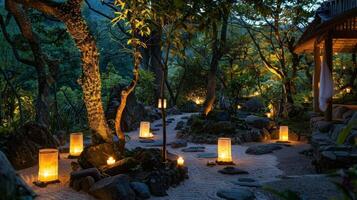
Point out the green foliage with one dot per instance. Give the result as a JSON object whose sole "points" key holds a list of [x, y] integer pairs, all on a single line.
{"points": [[145, 90], [284, 195], [346, 131], [348, 183]]}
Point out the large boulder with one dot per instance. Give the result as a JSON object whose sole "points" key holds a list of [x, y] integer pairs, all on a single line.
{"points": [[22, 146], [97, 155], [133, 113], [122, 166], [11, 185], [258, 122], [113, 188], [253, 105]]}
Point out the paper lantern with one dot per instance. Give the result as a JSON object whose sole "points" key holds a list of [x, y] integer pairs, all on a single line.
{"points": [[144, 131], [48, 165], [159, 103], [180, 161], [110, 161], [224, 150], [239, 107], [284, 133], [76, 144]]}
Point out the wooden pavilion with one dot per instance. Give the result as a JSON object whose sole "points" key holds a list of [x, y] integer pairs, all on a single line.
{"points": [[333, 30]]}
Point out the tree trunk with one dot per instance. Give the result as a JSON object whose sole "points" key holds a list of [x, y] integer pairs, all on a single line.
{"points": [[70, 14], [155, 60], [42, 109], [124, 95]]}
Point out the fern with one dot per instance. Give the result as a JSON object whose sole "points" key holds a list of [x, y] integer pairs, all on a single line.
{"points": [[346, 131]]}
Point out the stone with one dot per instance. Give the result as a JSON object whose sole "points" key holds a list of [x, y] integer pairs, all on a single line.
{"points": [[179, 143], [189, 107], [21, 146], [122, 166], [158, 125], [154, 129], [250, 180], [11, 185], [180, 125], [329, 155], [141, 189], [194, 149], [219, 116], [207, 155], [232, 171], [348, 114], [258, 122], [113, 188], [173, 111], [96, 155], [262, 149], [213, 127], [247, 184], [92, 172], [134, 111], [338, 112], [253, 105], [324, 126], [236, 194], [148, 158], [156, 183], [87, 183]]}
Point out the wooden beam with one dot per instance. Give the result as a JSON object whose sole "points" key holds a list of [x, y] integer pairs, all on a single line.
{"points": [[345, 34], [329, 62], [316, 78]]}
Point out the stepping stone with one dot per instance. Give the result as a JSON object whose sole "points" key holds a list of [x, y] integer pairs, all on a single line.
{"points": [[185, 117], [158, 125], [207, 155], [157, 143], [146, 141], [262, 149], [232, 171], [236, 194], [247, 182], [179, 143], [194, 149], [171, 119], [154, 129]]}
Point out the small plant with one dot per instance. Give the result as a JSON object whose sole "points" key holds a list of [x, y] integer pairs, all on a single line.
{"points": [[284, 195], [348, 184]]}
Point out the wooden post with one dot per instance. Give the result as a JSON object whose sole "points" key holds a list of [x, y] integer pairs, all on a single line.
{"points": [[329, 62], [316, 78]]}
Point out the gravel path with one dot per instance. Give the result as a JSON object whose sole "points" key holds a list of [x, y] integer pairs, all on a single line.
{"points": [[203, 181]]}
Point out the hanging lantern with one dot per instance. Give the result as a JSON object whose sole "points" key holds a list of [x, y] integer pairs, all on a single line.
{"points": [[76, 144], [159, 103], [48, 165], [224, 150], [144, 131], [110, 161], [180, 161], [284, 133]]}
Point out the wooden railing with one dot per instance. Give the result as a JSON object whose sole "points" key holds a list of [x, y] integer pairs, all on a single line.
{"points": [[337, 7]]}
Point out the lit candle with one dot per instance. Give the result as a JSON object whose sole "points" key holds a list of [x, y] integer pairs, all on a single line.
{"points": [[48, 165], [284, 133], [76, 144], [239, 106], [180, 161], [110, 161], [159, 103], [268, 115], [224, 150], [348, 90]]}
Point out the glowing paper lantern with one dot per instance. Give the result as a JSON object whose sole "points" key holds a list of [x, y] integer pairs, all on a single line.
{"points": [[48, 165], [76, 144], [110, 161], [145, 130], [239, 107], [180, 161], [284, 133], [224, 150], [159, 103]]}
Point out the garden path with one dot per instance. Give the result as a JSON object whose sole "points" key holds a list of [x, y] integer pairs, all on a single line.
{"points": [[203, 181]]}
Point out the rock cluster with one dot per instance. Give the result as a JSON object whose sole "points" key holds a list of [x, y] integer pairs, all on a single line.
{"points": [[327, 152], [137, 176], [240, 128]]}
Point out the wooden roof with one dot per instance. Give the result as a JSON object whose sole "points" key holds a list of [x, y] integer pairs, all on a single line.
{"points": [[338, 17]]}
